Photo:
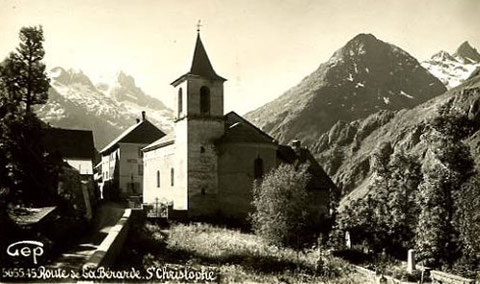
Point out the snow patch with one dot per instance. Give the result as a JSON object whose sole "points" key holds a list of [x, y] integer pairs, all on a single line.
{"points": [[406, 95]]}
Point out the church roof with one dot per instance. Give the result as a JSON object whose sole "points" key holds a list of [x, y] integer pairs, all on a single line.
{"points": [[141, 132], [301, 155], [164, 141], [70, 143], [201, 65], [238, 129]]}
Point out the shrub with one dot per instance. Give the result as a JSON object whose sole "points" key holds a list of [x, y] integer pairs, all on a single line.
{"points": [[281, 213]]}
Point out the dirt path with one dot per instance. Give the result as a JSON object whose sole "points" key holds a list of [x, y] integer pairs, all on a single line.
{"points": [[106, 217]]}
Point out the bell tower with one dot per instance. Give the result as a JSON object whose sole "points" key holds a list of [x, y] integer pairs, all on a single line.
{"points": [[199, 122]]}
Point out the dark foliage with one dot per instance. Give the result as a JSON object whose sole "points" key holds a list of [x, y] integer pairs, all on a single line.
{"points": [[281, 204]]}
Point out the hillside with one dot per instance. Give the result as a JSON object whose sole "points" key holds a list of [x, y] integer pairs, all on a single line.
{"points": [[345, 150], [361, 78], [454, 69], [107, 108]]}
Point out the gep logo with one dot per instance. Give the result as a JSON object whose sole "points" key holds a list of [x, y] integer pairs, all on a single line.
{"points": [[26, 249]]}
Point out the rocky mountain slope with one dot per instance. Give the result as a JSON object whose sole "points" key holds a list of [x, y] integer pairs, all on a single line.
{"points": [[452, 70], [346, 149], [363, 77], [106, 108]]}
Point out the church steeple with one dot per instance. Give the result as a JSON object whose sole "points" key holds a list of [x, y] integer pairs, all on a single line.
{"points": [[201, 64], [199, 92]]}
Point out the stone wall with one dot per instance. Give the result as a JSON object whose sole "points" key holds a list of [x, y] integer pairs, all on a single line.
{"points": [[112, 245], [216, 96], [202, 165], [439, 277], [236, 175]]}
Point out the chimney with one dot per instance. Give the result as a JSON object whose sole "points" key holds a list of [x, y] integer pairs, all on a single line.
{"points": [[143, 115], [296, 144], [138, 120]]}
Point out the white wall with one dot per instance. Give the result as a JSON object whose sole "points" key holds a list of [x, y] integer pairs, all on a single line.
{"points": [[85, 167], [130, 162], [162, 160]]}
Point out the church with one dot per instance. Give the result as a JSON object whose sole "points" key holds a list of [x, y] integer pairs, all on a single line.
{"points": [[207, 165]]}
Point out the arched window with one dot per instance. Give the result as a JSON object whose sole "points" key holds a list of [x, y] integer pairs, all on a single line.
{"points": [[258, 168], [172, 174], [180, 101], [158, 178], [204, 100]]}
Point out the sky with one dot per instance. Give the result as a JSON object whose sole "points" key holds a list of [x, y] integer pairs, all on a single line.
{"points": [[263, 47]]}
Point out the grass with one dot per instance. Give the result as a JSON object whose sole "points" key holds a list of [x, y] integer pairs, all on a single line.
{"points": [[236, 256]]}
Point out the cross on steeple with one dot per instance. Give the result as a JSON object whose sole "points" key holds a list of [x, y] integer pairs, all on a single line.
{"points": [[199, 24]]}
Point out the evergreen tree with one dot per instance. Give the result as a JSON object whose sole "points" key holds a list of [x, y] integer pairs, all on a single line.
{"points": [[23, 71], [25, 172]]}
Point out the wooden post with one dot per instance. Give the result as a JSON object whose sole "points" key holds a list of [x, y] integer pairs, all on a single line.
{"points": [[411, 261]]}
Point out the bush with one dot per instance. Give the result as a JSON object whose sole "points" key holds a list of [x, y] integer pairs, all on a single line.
{"points": [[282, 214]]}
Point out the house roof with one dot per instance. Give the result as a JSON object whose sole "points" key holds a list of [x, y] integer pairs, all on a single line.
{"points": [[70, 143], [142, 132], [30, 216], [201, 65]]}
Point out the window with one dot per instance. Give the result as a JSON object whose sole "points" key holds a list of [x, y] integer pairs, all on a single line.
{"points": [[180, 101], [158, 179], [204, 100], [172, 174], [258, 168], [140, 170]]}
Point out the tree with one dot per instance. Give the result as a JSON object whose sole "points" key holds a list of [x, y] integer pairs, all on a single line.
{"points": [[23, 72], [447, 165], [404, 179], [386, 217], [281, 206], [25, 172], [467, 222]]}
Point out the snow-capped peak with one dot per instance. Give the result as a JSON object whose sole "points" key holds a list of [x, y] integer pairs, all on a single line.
{"points": [[452, 70], [442, 56], [106, 108]]}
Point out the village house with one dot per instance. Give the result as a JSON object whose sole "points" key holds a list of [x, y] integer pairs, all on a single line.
{"points": [[206, 167], [76, 148], [122, 160]]}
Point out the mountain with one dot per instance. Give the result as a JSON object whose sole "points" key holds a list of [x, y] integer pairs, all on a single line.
{"points": [[364, 76], [345, 151], [107, 108], [452, 70], [467, 53]]}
